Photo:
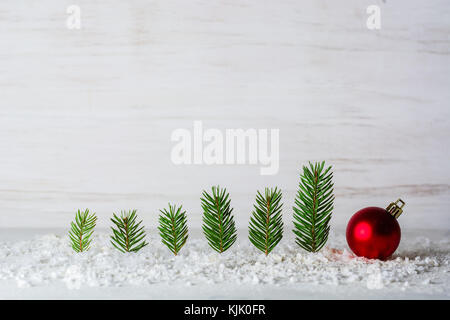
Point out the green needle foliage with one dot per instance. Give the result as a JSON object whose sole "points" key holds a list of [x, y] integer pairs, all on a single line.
{"points": [[313, 207], [81, 230], [129, 235], [218, 223], [266, 224], [173, 228]]}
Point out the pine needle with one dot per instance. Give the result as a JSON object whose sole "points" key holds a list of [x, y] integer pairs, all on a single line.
{"points": [[81, 230], [313, 207], [218, 222], [266, 224], [129, 235], [173, 228]]}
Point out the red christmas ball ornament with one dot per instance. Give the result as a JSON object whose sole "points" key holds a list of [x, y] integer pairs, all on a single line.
{"points": [[374, 232]]}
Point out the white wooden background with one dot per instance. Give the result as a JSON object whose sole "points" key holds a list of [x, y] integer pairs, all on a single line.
{"points": [[86, 115]]}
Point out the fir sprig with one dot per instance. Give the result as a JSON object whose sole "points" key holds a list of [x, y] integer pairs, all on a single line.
{"points": [[218, 222], [81, 230], [129, 235], [173, 228], [313, 207], [266, 224]]}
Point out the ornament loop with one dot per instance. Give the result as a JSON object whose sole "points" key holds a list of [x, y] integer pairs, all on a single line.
{"points": [[395, 209]]}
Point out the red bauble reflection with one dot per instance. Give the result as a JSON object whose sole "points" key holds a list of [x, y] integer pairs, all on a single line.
{"points": [[373, 233]]}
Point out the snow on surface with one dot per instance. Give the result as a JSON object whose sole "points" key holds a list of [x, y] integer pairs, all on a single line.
{"points": [[47, 261]]}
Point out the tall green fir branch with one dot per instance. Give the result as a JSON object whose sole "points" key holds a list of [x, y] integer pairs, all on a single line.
{"points": [[81, 230], [173, 228], [218, 222], [313, 207], [129, 235], [266, 224]]}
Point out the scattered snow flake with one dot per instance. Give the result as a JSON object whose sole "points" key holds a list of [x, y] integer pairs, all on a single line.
{"points": [[49, 259]]}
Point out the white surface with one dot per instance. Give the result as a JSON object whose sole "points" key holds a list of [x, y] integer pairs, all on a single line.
{"points": [[86, 116], [44, 266]]}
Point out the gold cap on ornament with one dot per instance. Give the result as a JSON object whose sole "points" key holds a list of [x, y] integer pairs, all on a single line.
{"points": [[395, 209]]}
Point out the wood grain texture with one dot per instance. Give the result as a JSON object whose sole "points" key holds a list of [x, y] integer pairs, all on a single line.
{"points": [[86, 115]]}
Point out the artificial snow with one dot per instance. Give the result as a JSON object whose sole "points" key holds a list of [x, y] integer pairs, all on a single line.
{"points": [[48, 260]]}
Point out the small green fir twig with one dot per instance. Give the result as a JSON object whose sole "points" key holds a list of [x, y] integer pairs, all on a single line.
{"points": [[218, 222], [81, 230], [173, 228], [266, 224], [129, 235], [313, 207]]}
